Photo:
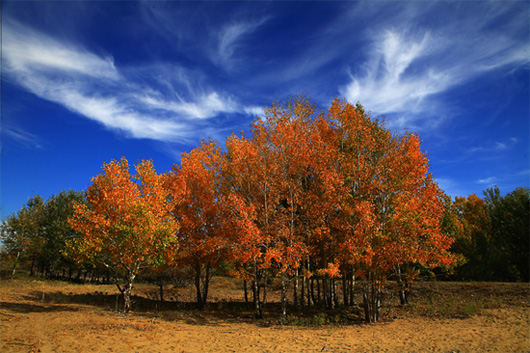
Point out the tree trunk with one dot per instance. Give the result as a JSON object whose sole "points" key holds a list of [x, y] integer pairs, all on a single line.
{"points": [[15, 264], [246, 290], [296, 287], [345, 289], [403, 287], [372, 297], [302, 292], [352, 287], [127, 297], [313, 291], [257, 303], [32, 265], [161, 290], [319, 296], [205, 285], [284, 298], [126, 291], [265, 287], [335, 296], [198, 285]]}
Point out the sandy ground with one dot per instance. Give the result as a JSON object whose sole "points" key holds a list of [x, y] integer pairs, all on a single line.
{"points": [[43, 318]]}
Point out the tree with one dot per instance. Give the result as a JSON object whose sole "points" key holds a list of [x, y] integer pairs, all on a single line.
{"points": [[275, 173], [196, 185], [128, 222], [510, 218], [393, 208], [472, 235], [23, 232], [58, 233], [13, 242], [249, 174]]}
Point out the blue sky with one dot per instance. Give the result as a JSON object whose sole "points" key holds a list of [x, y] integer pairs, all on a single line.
{"points": [[87, 82]]}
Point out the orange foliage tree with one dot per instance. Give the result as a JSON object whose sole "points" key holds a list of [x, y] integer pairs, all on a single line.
{"points": [[195, 189], [127, 224], [250, 177], [393, 208]]}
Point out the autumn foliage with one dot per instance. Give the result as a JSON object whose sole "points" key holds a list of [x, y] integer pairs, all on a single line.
{"points": [[304, 196], [128, 222]]}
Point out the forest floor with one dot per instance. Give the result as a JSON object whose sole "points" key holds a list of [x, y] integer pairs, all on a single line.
{"points": [[53, 316]]}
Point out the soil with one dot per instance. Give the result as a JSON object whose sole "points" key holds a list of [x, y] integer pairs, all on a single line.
{"points": [[53, 316]]}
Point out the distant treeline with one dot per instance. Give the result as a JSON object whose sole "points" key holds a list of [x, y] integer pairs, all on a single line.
{"points": [[492, 235]]}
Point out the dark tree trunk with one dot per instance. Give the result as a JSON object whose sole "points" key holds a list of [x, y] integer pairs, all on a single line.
{"points": [[345, 289], [205, 285], [403, 287], [352, 287], [246, 290], [198, 286], [319, 295], [372, 297], [313, 290], [334, 295], [32, 265]]}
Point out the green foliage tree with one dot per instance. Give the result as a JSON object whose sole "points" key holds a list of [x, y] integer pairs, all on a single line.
{"points": [[492, 235], [58, 233], [509, 218], [23, 233]]}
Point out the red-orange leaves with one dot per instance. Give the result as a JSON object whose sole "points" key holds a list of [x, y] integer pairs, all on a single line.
{"points": [[198, 205]]}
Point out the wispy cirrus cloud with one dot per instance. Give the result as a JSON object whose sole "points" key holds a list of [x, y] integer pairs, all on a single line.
{"points": [[92, 86], [487, 181], [409, 66], [29, 52], [230, 37], [497, 146], [22, 137]]}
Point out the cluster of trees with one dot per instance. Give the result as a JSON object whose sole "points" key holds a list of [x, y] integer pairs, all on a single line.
{"points": [[38, 235], [305, 194], [314, 198], [491, 235]]}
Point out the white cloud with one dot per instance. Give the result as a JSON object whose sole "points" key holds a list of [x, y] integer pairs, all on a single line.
{"points": [[502, 146], [255, 111], [487, 181], [409, 67], [28, 51], [385, 87], [24, 138], [204, 107], [229, 37], [91, 86], [497, 146]]}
